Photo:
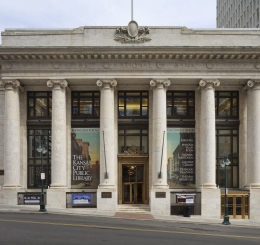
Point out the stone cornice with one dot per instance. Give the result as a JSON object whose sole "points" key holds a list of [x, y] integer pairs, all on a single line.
{"points": [[100, 53]]}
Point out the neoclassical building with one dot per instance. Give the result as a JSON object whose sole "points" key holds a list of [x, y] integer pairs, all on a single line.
{"points": [[106, 116]]}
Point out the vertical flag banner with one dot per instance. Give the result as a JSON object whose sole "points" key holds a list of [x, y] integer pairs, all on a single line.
{"points": [[85, 159], [181, 157]]}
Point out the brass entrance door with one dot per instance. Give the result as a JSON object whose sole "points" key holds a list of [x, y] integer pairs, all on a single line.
{"points": [[238, 205], [133, 176]]}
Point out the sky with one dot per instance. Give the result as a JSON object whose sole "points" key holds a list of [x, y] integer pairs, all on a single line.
{"points": [[76, 13]]}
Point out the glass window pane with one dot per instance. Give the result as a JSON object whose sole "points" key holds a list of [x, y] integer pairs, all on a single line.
{"points": [[180, 94], [31, 102], [136, 94], [121, 147], [144, 111], [31, 146], [31, 112], [132, 131], [31, 176], [144, 131], [225, 131], [224, 107], [139, 173], [235, 177], [41, 107], [144, 102], [132, 106], [191, 102], [224, 146], [85, 106], [133, 140], [169, 111], [84, 94], [121, 111], [180, 106], [235, 148], [41, 94], [144, 144], [223, 94], [121, 102]]}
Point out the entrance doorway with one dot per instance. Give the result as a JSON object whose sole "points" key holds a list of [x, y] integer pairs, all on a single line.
{"points": [[133, 178], [238, 205]]}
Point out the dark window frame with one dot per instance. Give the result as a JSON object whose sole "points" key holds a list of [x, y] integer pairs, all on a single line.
{"points": [[75, 110], [218, 96], [37, 157], [141, 96], [171, 98], [230, 156], [34, 95]]}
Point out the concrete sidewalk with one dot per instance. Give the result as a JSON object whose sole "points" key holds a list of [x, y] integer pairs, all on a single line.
{"points": [[93, 212]]}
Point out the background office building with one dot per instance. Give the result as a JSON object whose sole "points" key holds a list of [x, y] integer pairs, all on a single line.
{"points": [[238, 14], [106, 116]]}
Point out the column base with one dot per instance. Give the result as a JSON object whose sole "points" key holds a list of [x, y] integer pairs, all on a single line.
{"points": [[254, 204], [106, 198], [208, 186], [160, 202], [210, 203], [8, 195], [56, 198]]}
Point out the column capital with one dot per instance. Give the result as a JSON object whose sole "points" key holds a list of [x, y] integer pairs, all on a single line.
{"points": [[251, 84], [106, 83], [160, 83], [11, 84], [57, 83], [208, 83]]}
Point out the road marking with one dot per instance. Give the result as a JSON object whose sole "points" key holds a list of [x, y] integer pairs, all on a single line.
{"points": [[129, 229]]}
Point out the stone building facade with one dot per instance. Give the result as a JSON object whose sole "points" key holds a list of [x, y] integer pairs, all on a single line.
{"points": [[112, 106]]}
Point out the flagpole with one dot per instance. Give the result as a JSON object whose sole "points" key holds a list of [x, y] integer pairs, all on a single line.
{"points": [[132, 11]]}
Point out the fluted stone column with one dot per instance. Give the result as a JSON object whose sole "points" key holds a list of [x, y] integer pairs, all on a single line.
{"points": [[253, 146], [108, 159], [59, 142], [208, 134], [159, 149], [210, 195], [159, 132], [253, 134], [11, 134]]}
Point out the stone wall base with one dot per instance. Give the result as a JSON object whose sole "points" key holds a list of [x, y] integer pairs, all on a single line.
{"points": [[9, 196], [106, 199], [160, 202], [254, 204], [210, 203], [56, 198]]}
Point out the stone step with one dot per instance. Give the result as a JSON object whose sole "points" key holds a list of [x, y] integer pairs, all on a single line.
{"points": [[133, 208]]}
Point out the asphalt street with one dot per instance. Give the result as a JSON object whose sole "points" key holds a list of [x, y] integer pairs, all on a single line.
{"points": [[22, 228]]}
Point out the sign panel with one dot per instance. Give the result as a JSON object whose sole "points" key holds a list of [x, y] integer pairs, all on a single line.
{"points": [[84, 198], [181, 157], [85, 160], [32, 199]]}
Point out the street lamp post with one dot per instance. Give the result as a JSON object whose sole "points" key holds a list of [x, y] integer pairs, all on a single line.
{"points": [[41, 149], [225, 163]]}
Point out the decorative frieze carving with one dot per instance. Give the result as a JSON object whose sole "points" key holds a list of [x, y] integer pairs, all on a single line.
{"points": [[132, 34]]}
